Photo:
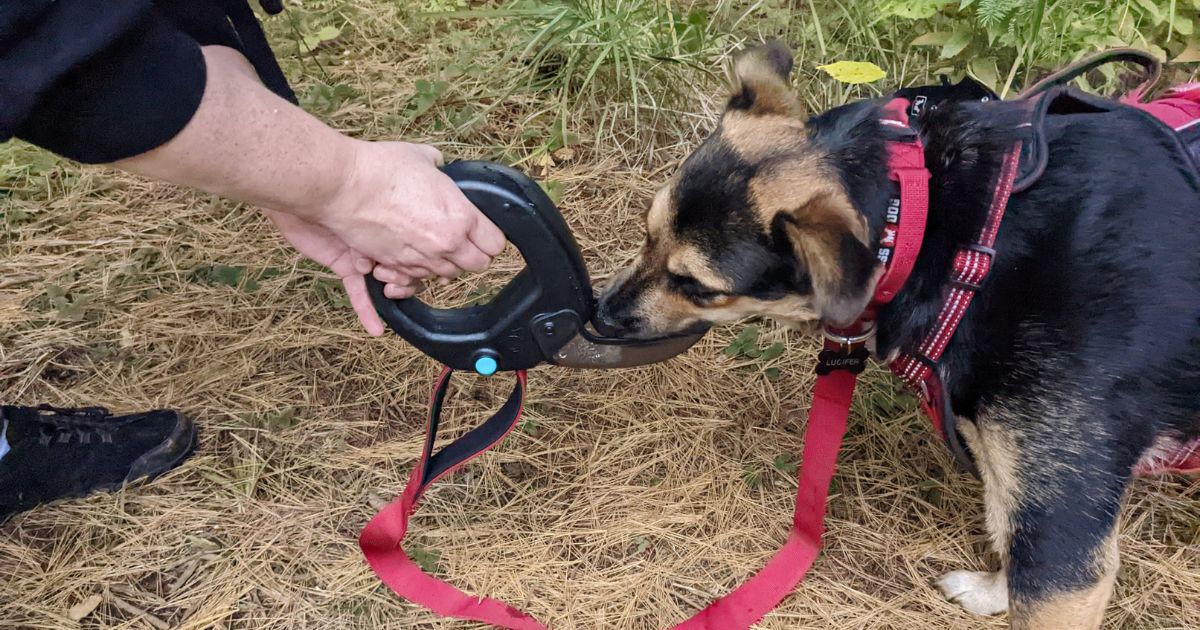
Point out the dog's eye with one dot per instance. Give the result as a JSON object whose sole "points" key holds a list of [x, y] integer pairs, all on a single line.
{"points": [[692, 288]]}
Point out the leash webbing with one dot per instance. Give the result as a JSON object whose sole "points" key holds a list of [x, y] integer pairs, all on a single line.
{"points": [[381, 540], [752, 600]]}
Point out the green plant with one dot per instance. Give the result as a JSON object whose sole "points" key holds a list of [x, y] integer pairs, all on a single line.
{"points": [[1003, 42], [589, 55], [746, 346], [427, 558]]}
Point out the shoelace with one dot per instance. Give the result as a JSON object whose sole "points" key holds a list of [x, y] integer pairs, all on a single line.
{"points": [[59, 425]]}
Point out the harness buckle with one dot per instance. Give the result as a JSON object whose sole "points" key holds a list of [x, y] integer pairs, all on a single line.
{"points": [[976, 247], [964, 272]]}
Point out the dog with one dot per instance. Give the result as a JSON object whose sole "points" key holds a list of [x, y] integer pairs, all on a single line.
{"points": [[1079, 356]]}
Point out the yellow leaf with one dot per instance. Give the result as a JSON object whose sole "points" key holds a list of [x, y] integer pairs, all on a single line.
{"points": [[854, 71]]}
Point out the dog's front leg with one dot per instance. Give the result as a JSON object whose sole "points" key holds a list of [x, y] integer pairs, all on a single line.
{"points": [[1051, 503]]}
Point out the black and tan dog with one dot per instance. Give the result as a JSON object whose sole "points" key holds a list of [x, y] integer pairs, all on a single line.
{"points": [[1079, 355]]}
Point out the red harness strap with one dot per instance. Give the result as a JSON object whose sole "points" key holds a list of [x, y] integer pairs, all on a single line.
{"points": [[971, 266], [381, 539]]}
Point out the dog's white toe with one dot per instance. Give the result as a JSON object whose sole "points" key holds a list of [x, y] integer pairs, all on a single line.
{"points": [[977, 591]]}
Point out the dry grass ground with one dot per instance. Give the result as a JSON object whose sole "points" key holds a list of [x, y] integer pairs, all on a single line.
{"points": [[628, 499]]}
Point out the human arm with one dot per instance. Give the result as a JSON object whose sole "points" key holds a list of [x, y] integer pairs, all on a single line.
{"points": [[148, 99]]}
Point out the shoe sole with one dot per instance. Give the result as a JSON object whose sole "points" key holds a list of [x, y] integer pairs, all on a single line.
{"points": [[164, 457]]}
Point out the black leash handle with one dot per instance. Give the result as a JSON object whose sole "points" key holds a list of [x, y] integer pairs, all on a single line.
{"points": [[498, 336], [473, 443], [1149, 63]]}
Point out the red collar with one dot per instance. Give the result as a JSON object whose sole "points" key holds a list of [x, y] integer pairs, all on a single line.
{"points": [[900, 243], [904, 223]]}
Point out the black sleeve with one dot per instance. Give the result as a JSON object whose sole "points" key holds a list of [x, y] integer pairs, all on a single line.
{"points": [[95, 80]]}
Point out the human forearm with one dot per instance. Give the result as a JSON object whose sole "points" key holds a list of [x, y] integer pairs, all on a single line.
{"points": [[246, 143]]}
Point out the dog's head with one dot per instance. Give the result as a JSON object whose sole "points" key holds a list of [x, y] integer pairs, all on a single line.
{"points": [[755, 222]]}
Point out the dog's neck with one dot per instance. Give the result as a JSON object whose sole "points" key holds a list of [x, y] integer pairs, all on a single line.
{"points": [[962, 153]]}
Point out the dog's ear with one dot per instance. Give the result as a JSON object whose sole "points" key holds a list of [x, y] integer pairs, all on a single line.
{"points": [[833, 258], [761, 80]]}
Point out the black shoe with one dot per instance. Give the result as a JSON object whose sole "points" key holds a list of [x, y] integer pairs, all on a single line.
{"points": [[64, 453]]}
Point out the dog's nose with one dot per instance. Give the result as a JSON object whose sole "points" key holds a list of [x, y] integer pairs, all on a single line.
{"points": [[604, 322], [610, 323]]}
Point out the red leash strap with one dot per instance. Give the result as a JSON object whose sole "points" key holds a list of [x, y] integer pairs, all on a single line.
{"points": [[381, 539], [822, 441]]}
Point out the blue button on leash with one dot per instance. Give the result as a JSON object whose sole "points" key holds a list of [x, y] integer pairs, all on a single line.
{"points": [[486, 366]]}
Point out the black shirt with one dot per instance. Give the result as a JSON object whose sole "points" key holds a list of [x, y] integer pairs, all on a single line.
{"points": [[102, 80]]}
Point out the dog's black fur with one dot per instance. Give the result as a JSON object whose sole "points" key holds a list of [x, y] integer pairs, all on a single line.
{"points": [[1081, 350]]}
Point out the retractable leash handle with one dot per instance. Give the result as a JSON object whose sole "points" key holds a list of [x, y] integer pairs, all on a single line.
{"points": [[497, 336], [542, 315]]}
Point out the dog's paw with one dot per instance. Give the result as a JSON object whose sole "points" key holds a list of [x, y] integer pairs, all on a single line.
{"points": [[977, 591]]}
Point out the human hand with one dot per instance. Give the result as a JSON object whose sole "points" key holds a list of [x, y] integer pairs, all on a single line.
{"points": [[325, 248], [407, 219]]}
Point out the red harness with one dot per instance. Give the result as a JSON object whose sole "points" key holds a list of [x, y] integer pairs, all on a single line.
{"points": [[900, 243]]}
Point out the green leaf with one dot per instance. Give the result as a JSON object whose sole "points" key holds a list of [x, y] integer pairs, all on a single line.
{"points": [[773, 351], [425, 557], [912, 9], [553, 190], [938, 38], [314, 41], [1183, 25], [281, 420], [1156, 14], [228, 275], [772, 373], [882, 402], [986, 71], [854, 72], [744, 341], [784, 463], [906, 402], [956, 44], [642, 543]]}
